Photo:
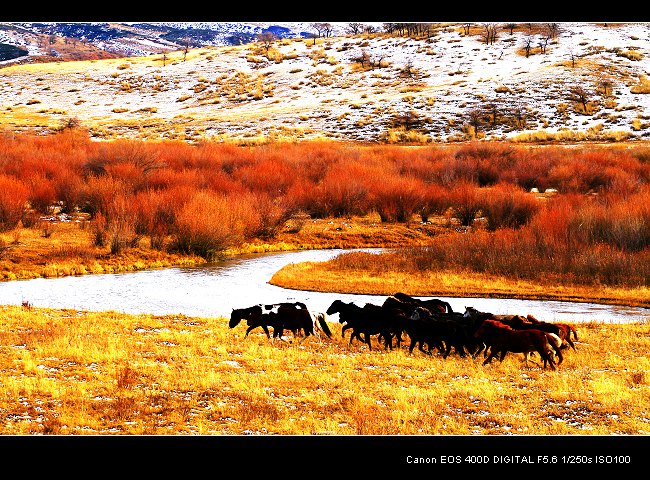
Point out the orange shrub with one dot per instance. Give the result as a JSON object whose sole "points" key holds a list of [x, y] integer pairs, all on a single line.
{"points": [[396, 198], [507, 206], [208, 224], [13, 198], [465, 201]]}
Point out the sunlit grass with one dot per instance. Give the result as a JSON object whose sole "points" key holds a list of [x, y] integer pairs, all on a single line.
{"points": [[76, 372]]}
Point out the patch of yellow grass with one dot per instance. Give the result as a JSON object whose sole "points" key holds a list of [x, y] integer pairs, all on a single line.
{"points": [[107, 373], [320, 276]]}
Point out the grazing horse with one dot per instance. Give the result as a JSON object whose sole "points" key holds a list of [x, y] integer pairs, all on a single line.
{"points": [[503, 339]]}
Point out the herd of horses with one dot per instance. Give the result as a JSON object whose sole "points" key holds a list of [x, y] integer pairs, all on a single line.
{"points": [[431, 325]]}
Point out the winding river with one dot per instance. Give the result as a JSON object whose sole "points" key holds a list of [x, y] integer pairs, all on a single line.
{"points": [[215, 289]]}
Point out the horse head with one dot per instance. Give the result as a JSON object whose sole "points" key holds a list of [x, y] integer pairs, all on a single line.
{"points": [[235, 318], [335, 307]]}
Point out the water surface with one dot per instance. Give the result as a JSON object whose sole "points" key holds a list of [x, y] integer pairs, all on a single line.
{"points": [[215, 289]]}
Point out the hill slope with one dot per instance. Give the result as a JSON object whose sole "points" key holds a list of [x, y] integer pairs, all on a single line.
{"points": [[577, 81]]}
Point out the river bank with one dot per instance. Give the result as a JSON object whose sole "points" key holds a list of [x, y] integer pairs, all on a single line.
{"points": [[65, 248]]}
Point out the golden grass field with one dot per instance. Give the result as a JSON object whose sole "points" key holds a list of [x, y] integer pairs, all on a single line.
{"points": [[68, 372]]}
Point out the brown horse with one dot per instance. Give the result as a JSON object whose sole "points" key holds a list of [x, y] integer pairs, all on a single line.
{"points": [[564, 330], [502, 339]]}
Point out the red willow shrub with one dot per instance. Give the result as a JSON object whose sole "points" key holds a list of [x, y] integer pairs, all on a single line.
{"points": [[209, 223], [623, 223], [396, 198], [13, 200], [507, 206], [159, 185], [465, 200]]}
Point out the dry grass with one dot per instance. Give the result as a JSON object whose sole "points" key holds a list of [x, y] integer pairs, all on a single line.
{"points": [[58, 249], [327, 277], [70, 372]]}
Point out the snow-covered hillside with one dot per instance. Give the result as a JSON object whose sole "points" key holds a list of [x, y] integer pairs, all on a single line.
{"points": [[449, 85]]}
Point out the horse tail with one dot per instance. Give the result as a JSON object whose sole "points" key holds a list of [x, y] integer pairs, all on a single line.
{"points": [[556, 343], [575, 333], [323, 325], [556, 340]]}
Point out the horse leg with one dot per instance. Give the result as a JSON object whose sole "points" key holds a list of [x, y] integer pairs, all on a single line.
{"points": [[489, 358], [426, 352], [248, 330], [503, 355], [367, 335], [343, 329]]}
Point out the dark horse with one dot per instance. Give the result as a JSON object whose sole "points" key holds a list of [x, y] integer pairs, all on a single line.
{"points": [[295, 319], [367, 320], [255, 316], [282, 316], [434, 305]]}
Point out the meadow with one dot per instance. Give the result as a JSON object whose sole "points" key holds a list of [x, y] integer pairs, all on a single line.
{"points": [[68, 372]]}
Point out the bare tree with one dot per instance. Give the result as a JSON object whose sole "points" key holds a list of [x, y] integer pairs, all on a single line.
{"points": [[368, 29], [542, 43], [580, 95], [266, 39], [518, 113], [354, 28], [492, 110], [187, 43], [605, 83], [318, 27], [510, 27], [466, 28], [327, 29], [408, 70], [489, 33], [573, 58], [476, 119], [528, 45], [553, 30]]}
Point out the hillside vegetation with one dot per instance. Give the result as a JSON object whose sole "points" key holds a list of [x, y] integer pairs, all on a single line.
{"points": [[525, 82]]}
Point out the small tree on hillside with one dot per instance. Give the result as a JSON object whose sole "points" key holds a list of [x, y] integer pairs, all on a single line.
{"points": [[510, 27], [527, 45], [266, 39], [489, 33], [580, 95], [354, 28]]}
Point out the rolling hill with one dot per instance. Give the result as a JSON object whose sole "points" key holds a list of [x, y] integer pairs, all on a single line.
{"points": [[446, 82]]}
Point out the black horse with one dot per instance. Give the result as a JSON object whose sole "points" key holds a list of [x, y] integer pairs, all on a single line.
{"points": [[367, 320], [434, 305], [282, 316], [253, 317], [257, 316]]}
